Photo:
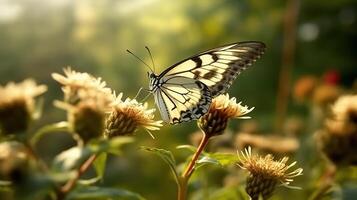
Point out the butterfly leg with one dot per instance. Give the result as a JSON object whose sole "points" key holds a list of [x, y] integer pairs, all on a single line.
{"points": [[139, 91]]}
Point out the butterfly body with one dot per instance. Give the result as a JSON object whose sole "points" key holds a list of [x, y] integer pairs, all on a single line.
{"points": [[184, 91]]}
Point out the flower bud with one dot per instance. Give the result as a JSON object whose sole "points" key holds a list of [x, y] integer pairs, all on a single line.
{"points": [[87, 120], [265, 173], [17, 105], [14, 161], [126, 116], [215, 121]]}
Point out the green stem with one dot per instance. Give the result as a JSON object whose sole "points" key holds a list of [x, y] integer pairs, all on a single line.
{"points": [[182, 190]]}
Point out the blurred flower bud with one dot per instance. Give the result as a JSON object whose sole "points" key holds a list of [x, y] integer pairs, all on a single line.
{"points": [[17, 105], [304, 87], [14, 161], [338, 139], [326, 94], [331, 77], [86, 100]]}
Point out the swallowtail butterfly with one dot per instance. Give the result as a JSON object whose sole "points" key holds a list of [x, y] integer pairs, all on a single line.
{"points": [[184, 91]]}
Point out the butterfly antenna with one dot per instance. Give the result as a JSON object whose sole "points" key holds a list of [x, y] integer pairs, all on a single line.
{"points": [[140, 60], [139, 92], [152, 60]]}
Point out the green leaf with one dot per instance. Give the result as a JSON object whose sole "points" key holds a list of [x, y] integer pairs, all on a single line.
{"points": [[220, 159], [188, 147], [111, 145], [206, 160], [90, 181], [72, 158], [99, 164], [5, 186], [56, 127], [94, 193], [224, 159], [167, 157]]}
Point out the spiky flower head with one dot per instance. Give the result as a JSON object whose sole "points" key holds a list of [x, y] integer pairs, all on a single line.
{"points": [[86, 100], [17, 105], [78, 86], [265, 173], [14, 161], [338, 139], [125, 117], [222, 108]]}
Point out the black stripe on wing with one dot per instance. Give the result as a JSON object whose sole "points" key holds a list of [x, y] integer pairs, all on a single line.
{"points": [[189, 106], [218, 68]]}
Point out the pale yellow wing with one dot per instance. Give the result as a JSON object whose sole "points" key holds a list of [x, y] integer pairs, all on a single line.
{"points": [[217, 68], [182, 99]]}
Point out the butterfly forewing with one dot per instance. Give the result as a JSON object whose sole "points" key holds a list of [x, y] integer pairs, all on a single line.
{"points": [[217, 68], [185, 90]]}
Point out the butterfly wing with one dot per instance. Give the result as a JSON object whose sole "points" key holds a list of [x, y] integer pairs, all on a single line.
{"points": [[182, 99], [217, 68]]}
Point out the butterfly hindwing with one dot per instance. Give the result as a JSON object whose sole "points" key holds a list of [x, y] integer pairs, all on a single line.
{"points": [[182, 99], [217, 68]]}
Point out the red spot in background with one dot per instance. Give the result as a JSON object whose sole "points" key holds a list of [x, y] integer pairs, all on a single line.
{"points": [[331, 77]]}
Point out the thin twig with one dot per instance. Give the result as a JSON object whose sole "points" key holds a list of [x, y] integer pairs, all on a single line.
{"points": [[72, 182], [289, 45]]}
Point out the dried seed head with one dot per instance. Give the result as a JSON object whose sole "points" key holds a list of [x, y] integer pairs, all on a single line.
{"points": [[265, 173], [338, 140], [17, 105], [222, 108], [14, 161], [79, 86], [128, 115]]}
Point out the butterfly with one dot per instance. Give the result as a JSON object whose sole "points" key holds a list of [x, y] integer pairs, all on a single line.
{"points": [[184, 91]]}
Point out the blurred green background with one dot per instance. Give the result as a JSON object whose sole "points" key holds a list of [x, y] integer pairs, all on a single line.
{"points": [[39, 37]]}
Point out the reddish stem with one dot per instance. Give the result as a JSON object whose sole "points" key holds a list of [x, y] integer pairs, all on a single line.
{"points": [[190, 168], [71, 183]]}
